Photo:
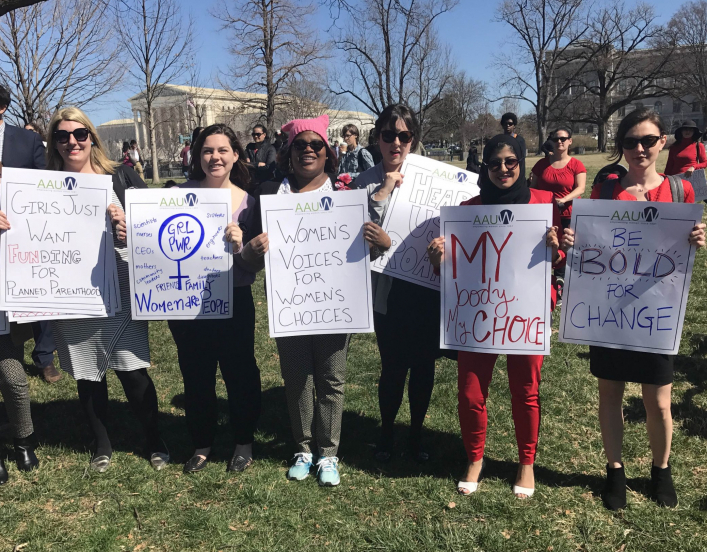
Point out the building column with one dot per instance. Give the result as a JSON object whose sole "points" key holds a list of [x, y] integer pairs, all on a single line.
{"points": [[137, 130]]}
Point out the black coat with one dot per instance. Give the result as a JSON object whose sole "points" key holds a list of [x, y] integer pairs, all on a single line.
{"points": [[263, 152], [22, 149]]}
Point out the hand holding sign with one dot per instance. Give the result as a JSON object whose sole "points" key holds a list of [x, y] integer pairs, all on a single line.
{"points": [[180, 236]]}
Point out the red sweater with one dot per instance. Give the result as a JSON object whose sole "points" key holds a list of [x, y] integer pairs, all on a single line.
{"points": [[660, 194], [683, 155]]}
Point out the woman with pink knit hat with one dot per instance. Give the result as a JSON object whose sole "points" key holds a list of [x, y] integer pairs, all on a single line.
{"points": [[313, 366]]}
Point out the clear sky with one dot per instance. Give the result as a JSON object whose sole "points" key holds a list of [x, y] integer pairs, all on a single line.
{"points": [[470, 30]]}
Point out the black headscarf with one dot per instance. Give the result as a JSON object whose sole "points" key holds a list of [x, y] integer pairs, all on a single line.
{"points": [[490, 193]]}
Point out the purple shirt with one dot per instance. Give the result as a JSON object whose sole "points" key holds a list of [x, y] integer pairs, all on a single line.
{"points": [[243, 216]]}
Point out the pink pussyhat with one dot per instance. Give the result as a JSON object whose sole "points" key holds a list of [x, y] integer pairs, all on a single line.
{"points": [[319, 125]]}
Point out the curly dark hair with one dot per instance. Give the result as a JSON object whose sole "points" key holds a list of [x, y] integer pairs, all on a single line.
{"points": [[240, 176]]}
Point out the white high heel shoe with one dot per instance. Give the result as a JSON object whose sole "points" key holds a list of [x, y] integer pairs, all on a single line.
{"points": [[517, 489], [465, 488]]}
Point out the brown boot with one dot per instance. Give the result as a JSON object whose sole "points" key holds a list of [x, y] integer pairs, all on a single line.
{"points": [[50, 374]]}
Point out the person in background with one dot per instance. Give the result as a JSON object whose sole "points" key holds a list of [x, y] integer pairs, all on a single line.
{"points": [[261, 154], [565, 177], [34, 127], [406, 315], [169, 184], [472, 161], [687, 154], [89, 347], [509, 122], [639, 139], [547, 149], [502, 183], [136, 158], [313, 366], [127, 161], [186, 157], [373, 147], [218, 162], [356, 159], [24, 149], [280, 139]]}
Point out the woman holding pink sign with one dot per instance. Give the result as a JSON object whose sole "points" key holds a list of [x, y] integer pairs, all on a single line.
{"points": [[502, 183], [639, 139]]}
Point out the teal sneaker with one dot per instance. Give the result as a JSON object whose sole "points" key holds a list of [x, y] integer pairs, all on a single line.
{"points": [[300, 469], [328, 471]]}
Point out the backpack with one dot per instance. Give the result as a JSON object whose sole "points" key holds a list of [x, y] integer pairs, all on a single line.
{"points": [[607, 192]]}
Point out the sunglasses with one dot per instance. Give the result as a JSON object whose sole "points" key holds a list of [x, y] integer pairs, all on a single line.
{"points": [[62, 136], [495, 164], [389, 136], [646, 141], [257, 134], [301, 145], [562, 139]]}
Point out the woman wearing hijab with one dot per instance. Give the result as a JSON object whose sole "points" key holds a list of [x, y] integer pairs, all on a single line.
{"points": [[313, 366], [502, 183], [639, 139], [687, 154], [406, 315]]}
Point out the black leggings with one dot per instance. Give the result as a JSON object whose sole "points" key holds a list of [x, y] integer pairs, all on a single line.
{"points": [[142, 397], [204, 345]]}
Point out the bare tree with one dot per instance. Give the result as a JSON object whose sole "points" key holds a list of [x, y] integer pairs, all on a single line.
{"points": [[620, 67], [6, 6], [272, 44], [462, 104], [687, 30], [545, 31], [157, 39], [303, 98], [391, 49], [57, 54]]}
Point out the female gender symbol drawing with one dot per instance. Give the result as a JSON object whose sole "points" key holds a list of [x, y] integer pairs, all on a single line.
{"points": [[179, 239]]}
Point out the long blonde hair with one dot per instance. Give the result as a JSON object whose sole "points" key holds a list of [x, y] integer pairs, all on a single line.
{"points": [[99, 160]]}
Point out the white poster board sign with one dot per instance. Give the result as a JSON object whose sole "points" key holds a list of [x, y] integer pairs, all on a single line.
{"points": [[628, 274], [57, 254], [412, 219], [181, 267], [699, 184], [318, 271], [496, 279]]}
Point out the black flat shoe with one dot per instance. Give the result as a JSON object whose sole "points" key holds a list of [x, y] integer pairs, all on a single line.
{"points": [[662, 488], [3, 473], [614, 494], [239, 464], [195, 464], [25, 458]]}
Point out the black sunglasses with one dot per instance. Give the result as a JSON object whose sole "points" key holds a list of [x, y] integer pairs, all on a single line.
{"points": [[257, 134], [495, 164], [301, 145], [646, 141], [389, 136], [562, 139], [62, 136]]}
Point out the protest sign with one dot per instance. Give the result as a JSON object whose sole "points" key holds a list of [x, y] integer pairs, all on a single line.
{"points": [[699, 184], [412, 218], [496, 279], [180, 264], [318, 271], [628, 274], [57, 254]]}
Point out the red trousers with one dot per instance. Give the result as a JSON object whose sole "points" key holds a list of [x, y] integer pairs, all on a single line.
{"points": [[475, 371]]}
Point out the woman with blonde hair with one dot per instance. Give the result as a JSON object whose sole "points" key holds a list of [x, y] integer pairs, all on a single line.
{"points": [[89, 347]]}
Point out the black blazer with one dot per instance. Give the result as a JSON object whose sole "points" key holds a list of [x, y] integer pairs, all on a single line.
{"points": [[22, 149]]}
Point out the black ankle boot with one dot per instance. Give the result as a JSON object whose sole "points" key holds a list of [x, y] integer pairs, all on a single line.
{"points": [[662, 489], [614, 495], [3, 472], [25, 458]]}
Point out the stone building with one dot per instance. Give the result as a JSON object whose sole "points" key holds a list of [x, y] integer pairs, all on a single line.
{"points": [[180, 109]]}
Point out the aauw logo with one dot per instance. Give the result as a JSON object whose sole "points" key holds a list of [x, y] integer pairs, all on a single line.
{"points": [[462, 177], [649, 214], [504, 217], [70, 183], [324, 204], [192, 200]]}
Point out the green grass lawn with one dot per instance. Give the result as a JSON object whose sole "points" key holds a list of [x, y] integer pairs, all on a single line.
{"points": [[399, 506]]}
